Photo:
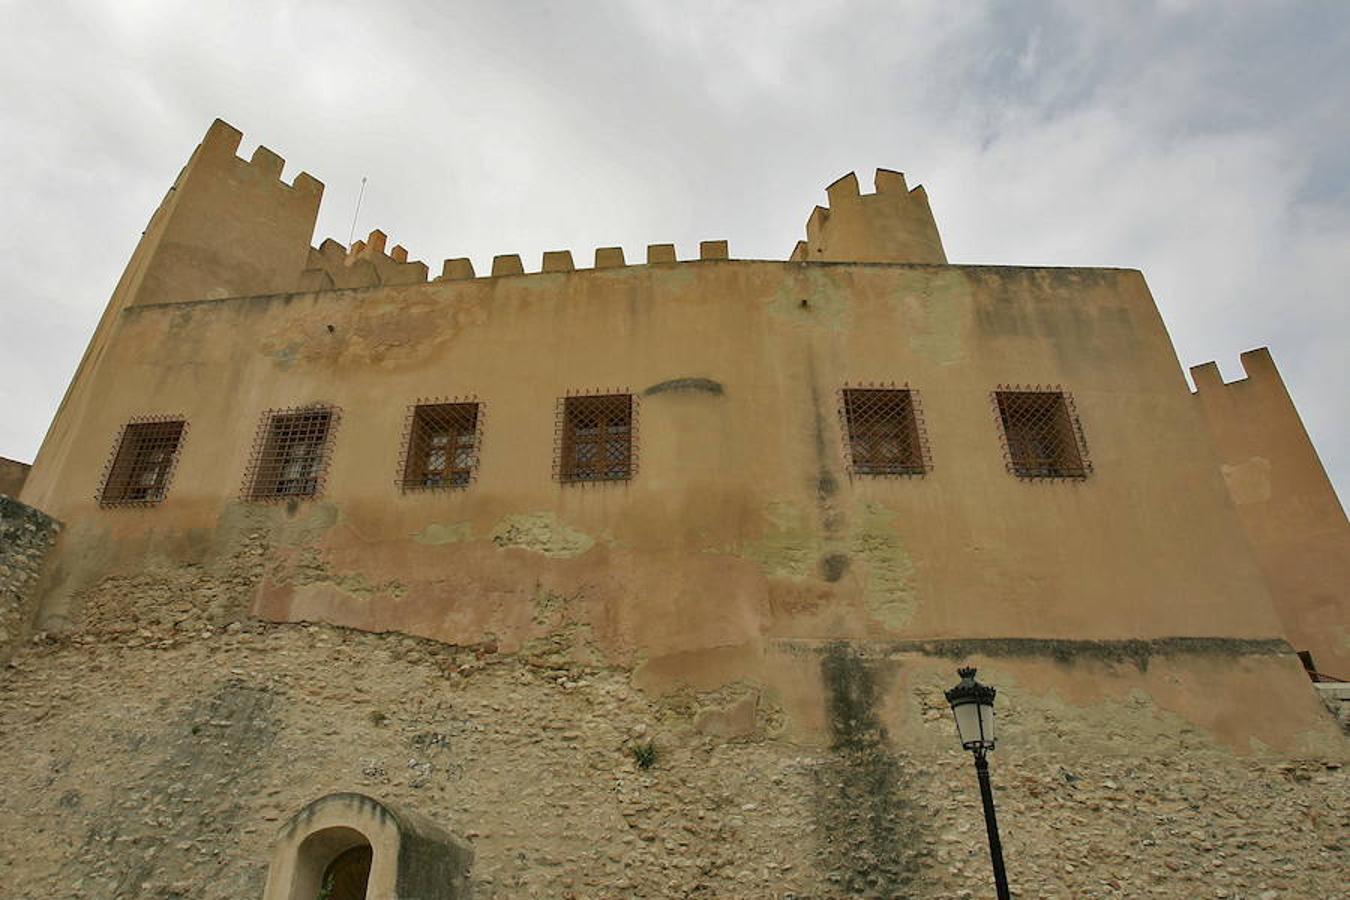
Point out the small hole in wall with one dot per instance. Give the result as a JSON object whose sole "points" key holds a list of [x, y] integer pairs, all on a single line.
{"points": [[331, 329], [805, 304]]}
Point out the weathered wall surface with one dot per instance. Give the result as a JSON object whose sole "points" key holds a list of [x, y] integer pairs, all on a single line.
{"points": [[163, 763], [26, 537], [741, 496], [1286, 503], [12, 476], [741, 526]]}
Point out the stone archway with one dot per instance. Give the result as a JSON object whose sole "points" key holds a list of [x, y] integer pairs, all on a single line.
{"points": [[353, 847]]}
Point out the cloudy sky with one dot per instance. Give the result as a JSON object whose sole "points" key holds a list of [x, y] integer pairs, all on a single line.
{"points": [[1207, 143]]}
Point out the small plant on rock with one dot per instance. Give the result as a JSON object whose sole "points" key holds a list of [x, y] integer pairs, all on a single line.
{"points": [[643, 754]]}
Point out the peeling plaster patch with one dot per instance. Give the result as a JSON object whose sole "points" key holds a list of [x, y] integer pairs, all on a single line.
{"points": [[310, 567], [436, 533], [309, 522], [1249, 482], [735, 720], [542, 533], [888, 571], [791, 544], [686, 386], [548, 606]]}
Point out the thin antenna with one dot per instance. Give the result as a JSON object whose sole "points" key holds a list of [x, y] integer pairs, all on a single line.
{"points": [[351, 234]]}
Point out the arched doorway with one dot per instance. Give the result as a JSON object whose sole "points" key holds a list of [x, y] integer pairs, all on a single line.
{"points": [[332, 864], [354, 847], [347, 875]]}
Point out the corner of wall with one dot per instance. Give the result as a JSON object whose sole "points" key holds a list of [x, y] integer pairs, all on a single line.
{"points": [[1287, 505]]}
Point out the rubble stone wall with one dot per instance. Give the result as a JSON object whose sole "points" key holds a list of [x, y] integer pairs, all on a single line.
{"points": [[25, 537], [163, 762]]}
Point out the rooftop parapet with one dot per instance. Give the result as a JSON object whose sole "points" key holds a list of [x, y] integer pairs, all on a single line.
{"points": [[894, 224], [1257, 365], [365, 264], [228, 227]]}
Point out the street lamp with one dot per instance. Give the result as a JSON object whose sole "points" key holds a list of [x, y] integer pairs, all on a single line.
{"points": [[973, 706]]}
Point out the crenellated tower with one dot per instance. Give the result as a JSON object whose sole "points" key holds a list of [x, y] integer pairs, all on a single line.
{"points": [[893, 225], [1287, 505]]}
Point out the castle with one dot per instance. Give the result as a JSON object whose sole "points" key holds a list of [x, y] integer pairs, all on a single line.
{"points": [[799, 490]]}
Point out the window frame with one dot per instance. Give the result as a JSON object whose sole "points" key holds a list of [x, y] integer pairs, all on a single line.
{"points": [[118, 462], [406, 480], [565, 469], [262, 466], [920, 462], [1068, 425]]}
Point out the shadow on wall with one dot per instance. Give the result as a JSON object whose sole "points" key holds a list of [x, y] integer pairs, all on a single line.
{"points": [[12, 476]]}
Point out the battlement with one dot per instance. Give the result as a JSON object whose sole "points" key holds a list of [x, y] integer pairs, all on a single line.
{"points": [[1258, 366], [228, 227], [222, 141], [231, 227], [366, 264], [1288, 507], [894, 224]]}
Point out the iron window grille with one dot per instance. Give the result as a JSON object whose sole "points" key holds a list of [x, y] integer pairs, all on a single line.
{"points": [[1042, 436], [596, 438], [883, 430], [440, 445], [291, 453], [142, 461]]}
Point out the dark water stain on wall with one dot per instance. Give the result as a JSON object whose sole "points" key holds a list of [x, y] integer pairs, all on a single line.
{"points": [[200, 773], [826, 483], [870, 826], [687, 386], [833, 566]]}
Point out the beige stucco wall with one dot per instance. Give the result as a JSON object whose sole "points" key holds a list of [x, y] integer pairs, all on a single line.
{"points": [[741, 533], [1286, 503], [718, 541]]}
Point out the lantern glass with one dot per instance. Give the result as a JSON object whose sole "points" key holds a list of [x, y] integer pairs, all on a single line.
{"points": [[968, 723], [973, 707], [987, 724]]}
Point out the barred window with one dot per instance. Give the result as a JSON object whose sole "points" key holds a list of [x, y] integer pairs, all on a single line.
{"points": [[1042, 435], [290, 454], [884, 437], [597, 438], [442, 446], [142, 462]]}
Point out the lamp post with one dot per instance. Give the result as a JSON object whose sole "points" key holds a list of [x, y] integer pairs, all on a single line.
{"points": [[973, 706]]}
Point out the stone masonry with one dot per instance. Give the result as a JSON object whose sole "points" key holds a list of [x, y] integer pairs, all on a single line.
{"points": [[163, 762], [25, 537]]}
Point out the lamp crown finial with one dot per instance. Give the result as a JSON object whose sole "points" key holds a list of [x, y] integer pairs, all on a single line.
{"points": [[966, 671]]}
